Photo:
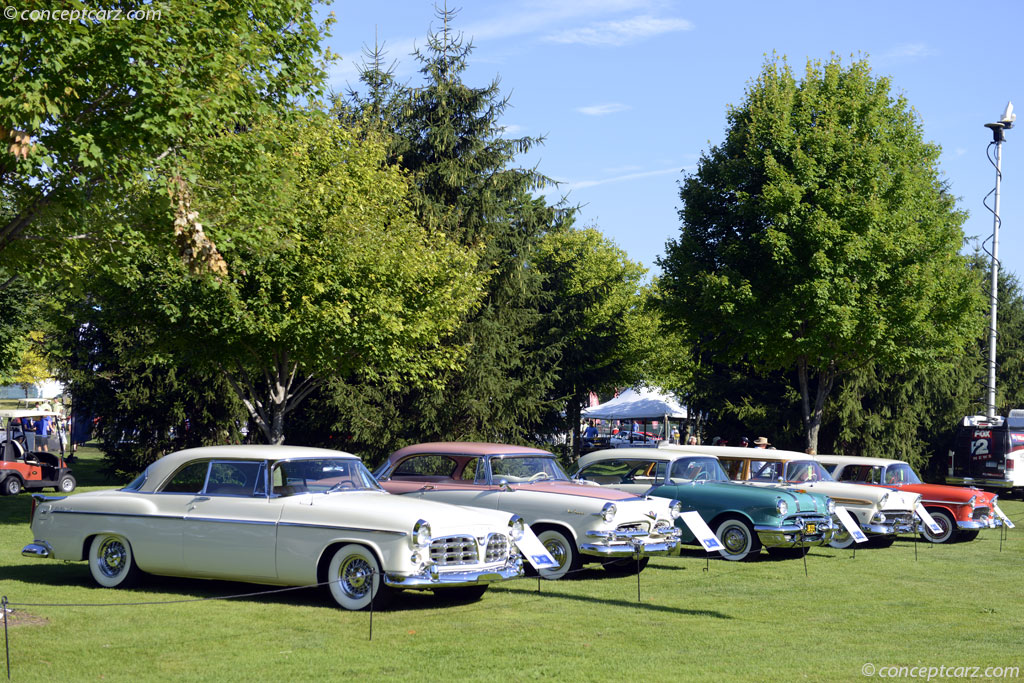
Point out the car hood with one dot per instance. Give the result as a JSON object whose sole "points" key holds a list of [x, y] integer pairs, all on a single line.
{"points": [[571, 488], [941, 492], [844, 493], [735, 493], [381, 510]]}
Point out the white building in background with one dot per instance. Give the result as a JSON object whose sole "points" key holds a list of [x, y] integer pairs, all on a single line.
{"points": [[50, 388]]}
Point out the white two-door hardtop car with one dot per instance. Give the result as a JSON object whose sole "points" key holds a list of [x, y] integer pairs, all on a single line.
{"points": [[280, 515], [577, 522]]}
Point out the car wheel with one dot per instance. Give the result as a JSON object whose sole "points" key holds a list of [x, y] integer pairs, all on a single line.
{"points": [[843, 539], [354, 578], [66, 484], [11, 486], [947, 526], [462, 593], [563, 549], [626, 566], [111, 562], [738, 539]]}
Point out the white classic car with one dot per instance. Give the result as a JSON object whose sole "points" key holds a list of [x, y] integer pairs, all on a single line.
{"points": [[279, 515], [575, 521], [881, 513]]}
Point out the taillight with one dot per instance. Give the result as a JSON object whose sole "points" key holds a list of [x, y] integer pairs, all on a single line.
{"points": [[1009, 464], [32, 513]]}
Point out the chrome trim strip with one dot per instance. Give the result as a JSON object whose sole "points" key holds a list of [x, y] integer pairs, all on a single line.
{"points": [[629, 550], [343, 528], [230, 521], [455, 579]]}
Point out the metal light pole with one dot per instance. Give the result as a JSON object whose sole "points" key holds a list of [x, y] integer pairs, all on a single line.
{"points": [[997, 139]]}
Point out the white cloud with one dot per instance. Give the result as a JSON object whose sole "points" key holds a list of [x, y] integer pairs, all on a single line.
{"points": [[617, 33], [603, 109], [909, 51], [583, 184]]}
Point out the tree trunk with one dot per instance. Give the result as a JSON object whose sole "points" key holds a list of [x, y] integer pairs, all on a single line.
{"points": [[572, 413], [812, 412], [269, 401]]}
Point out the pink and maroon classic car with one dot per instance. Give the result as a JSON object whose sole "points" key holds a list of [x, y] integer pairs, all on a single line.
{"points": [[959, 511], [577, 522]]}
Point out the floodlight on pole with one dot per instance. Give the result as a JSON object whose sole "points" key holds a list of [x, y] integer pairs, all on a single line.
{"points": [[998, 128]]}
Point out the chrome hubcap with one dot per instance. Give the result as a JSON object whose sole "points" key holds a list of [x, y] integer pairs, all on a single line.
{"points": [[735, 540], [113, 557], [557, 551], [356, 577]]}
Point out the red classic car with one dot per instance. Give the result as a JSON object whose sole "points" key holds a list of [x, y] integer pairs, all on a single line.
{"points": [[577, 522], [959, 511]]}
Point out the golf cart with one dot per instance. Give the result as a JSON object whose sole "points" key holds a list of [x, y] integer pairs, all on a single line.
{"points": [[21, 467]]}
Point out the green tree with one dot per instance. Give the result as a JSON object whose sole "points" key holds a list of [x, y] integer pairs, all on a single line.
{"points": [[819, 236], [448, 135], [596, 317], [89, 105], [339, 280]]}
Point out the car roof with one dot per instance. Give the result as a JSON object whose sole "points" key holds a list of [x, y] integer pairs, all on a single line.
{"points": [[661, 454], [856, 460], [170, 463], [740, 452], [26, 412], [466, 448]]}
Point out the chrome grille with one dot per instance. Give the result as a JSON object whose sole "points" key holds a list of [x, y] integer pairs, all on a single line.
{"points": [[636, 526], [497, 548], [453, 550], [980, 513], [898, 517]]}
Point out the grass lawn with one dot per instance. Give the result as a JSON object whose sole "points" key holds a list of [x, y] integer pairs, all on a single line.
{"points": [[958, 605]]}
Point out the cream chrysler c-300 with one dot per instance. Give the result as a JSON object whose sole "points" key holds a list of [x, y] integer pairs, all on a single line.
{"points": [[278, 515]]}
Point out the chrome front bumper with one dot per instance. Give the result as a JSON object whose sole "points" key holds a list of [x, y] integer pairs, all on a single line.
{"points": [[791, 535], [630, 543], [38, 549], [433, 577], [974, 524]]}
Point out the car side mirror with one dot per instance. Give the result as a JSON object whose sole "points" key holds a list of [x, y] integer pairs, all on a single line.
{"points": [[503, 485]]}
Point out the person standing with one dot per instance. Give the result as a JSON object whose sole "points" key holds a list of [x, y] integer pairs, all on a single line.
{"points": [[761, 442], [44, 425]]}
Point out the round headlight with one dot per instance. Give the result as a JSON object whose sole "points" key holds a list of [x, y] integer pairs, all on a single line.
{"points": [[781, 506], [830, 506], [676, 508], [972, 501], [883, 499], [608, 512], [421, 534], [516, 527]]}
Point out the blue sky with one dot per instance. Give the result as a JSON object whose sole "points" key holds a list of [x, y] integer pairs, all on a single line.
{"points": [[629, 93]]}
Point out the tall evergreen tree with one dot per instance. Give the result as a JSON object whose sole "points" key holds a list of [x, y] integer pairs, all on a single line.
{"points": [[448, 135]]}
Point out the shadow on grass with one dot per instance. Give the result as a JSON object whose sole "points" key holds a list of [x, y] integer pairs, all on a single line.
{"points": [[169, 589], [549, 589]]}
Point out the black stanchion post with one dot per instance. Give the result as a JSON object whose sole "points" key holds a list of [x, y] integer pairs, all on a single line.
{"points": [[916, 540], [803, 547], [7, 647], [372, 575], [638, 577]]}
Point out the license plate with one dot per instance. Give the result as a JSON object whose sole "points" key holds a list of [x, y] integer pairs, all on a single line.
{"points": [[811, 528]]}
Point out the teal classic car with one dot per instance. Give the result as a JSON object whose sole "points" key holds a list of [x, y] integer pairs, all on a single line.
{"points": [[744, 518]]}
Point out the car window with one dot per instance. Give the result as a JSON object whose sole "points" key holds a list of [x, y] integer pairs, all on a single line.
{"points": [[189, 479], [733, 468], [234, 478], [900, 474], [426, 465], [321, 475], [697, 469], [518, 469], [861, 473], [469, 471], [765, 471], [606, 471]]}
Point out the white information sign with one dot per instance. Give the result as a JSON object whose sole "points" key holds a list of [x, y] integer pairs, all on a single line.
{"points": [[851, 524], [1002, 515], [534, 551], [928, 520], [705, 536]]}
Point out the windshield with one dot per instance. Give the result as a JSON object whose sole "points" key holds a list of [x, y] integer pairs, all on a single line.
{"points": [[901, 474], [800, 471], [320, 475], [697, 469], [517, 469]]}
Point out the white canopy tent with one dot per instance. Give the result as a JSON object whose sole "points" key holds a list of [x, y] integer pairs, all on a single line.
{"points": [[643, 405]]}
